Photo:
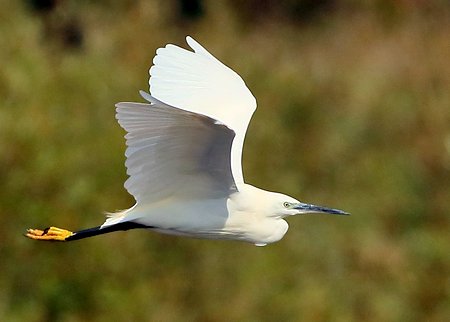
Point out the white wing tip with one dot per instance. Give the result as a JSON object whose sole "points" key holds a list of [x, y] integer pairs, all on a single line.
{"points": [[146, 96], [191, 42], [198, 49]]}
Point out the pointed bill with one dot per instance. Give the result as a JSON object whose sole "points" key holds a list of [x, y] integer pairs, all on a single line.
{"points": [[308, 208]]}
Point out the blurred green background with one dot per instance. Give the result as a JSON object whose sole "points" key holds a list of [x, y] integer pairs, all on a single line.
{"points": [[354, 113]]}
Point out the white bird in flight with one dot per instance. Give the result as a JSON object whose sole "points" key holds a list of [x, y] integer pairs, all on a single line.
{"points": [[184, 153]]}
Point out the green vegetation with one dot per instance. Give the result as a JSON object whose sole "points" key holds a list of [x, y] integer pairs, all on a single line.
{"points": [[354, 113]]}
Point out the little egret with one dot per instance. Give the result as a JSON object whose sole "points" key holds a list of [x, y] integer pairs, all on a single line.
{"points": [[184, 153]]}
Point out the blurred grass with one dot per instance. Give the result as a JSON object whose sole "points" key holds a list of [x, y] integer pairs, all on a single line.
{"points": [[353, 113]]}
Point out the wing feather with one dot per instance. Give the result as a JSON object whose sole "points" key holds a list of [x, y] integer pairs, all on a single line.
{"points": [[172, 152], [196, 81]]}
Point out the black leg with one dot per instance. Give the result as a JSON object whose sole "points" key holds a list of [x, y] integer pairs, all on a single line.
{"points": [[90, 232]]}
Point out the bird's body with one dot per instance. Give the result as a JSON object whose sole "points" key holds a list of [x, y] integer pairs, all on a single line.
{"points": [[184, 158], [236, 217]]}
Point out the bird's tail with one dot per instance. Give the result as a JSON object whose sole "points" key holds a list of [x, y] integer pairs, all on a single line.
{"points": [[114, 218]]}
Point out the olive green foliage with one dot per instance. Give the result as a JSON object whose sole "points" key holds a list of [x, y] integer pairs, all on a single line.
{"points": [[354, 113]]}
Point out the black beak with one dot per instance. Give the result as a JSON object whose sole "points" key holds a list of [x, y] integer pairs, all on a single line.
{"points": [[307, 208]]}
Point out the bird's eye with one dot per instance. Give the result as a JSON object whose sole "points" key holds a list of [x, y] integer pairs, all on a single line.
{"points": [[286, 204]]}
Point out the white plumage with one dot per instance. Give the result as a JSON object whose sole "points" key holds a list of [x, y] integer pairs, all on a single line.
{"points": [[184, 153], [200, 83]]}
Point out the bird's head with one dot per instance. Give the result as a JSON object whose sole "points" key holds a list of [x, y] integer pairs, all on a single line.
{"points": [[284, 206]]}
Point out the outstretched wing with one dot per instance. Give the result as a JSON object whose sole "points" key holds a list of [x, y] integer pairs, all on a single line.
{"points": [[198, 82], [175, 153]]}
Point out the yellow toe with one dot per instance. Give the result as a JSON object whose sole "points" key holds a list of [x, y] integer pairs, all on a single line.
{"points": [[49, 234]]}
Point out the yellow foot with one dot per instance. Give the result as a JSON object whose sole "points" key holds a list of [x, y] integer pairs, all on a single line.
{"points": [[50, 234]]}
